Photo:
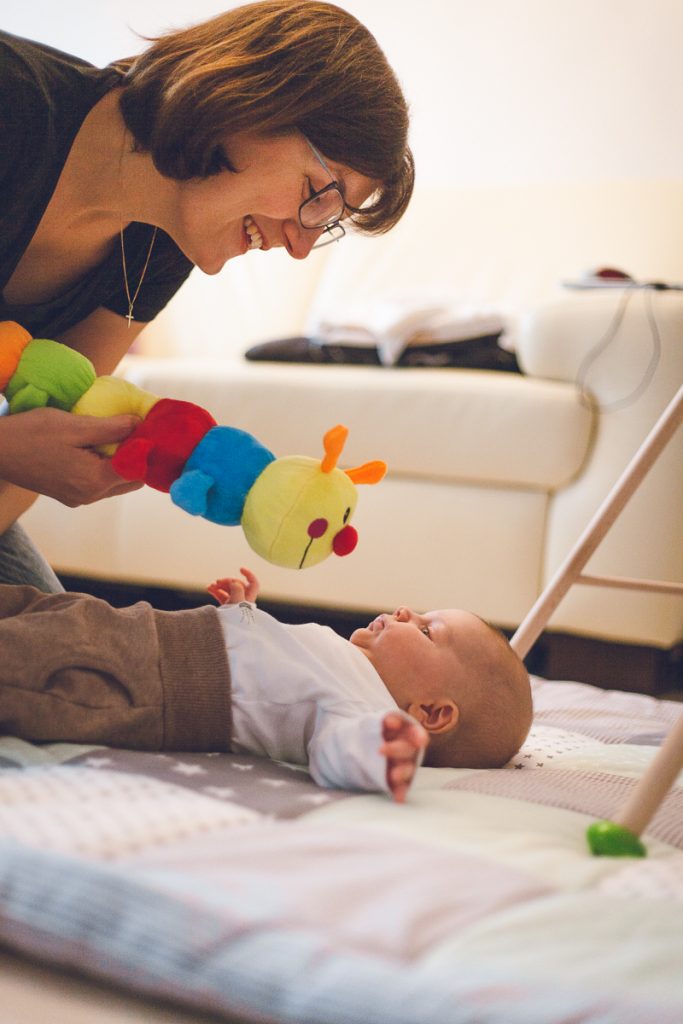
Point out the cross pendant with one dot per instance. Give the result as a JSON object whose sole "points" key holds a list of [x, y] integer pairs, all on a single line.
{"points": [[129, 317]]}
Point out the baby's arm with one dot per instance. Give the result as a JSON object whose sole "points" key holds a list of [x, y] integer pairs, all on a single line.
{"points": [[344, 751], [232, 590], [403, 741]]}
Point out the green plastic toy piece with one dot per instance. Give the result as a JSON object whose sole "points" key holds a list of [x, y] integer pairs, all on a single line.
{"points": [[607, 839]]}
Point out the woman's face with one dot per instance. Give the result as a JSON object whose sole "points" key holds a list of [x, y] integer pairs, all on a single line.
{"points": [[223, 216]]}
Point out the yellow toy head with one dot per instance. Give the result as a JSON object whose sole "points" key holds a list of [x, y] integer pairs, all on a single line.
{"points": [[299, 509]]}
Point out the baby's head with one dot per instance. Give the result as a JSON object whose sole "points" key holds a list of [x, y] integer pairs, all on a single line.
{"points": [[458, 677]]}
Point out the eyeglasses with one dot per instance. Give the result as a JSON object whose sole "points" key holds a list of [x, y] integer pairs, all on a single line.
{"points": [[324, 209]]}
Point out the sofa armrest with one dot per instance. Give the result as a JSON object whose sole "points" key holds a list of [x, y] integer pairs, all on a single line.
{"points": [[630, 366], [607, 342]]}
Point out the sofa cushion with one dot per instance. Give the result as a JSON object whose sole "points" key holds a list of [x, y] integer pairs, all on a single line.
{"points": [[406, 417]]}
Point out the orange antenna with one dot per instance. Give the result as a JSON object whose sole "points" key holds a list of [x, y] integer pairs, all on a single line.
{"points": [[368, 473], [333, 443], [13, 341]]}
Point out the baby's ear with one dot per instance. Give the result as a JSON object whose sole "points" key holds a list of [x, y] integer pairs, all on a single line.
{"points": [[438, 718]]}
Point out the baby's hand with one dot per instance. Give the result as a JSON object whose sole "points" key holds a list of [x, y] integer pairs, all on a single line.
{"points": [[232, 590], [403, 741]]}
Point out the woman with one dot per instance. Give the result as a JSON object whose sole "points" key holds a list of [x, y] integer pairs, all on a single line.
{"points": [[265, 126]]}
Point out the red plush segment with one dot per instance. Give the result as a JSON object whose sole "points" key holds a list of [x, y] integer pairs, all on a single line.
{"points": [[158, 449], [133, 463]]}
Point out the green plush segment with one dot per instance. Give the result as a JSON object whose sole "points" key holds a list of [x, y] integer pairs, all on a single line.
{"points": [[49, 373], [607, 839]]}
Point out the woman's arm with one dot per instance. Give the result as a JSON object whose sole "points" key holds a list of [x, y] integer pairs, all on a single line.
{"points": [[104, 337], [14, 501]]}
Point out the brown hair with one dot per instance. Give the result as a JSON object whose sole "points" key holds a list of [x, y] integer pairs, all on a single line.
{"points": [[272, 67], [495, 708]]}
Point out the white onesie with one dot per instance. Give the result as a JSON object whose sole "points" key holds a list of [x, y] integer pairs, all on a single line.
{"points": [[305, 695]]}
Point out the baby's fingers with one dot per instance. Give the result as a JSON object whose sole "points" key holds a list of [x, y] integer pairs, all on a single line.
{"points": [[228, 590], [253, 585], [225, 582], [399, 750], [399, 777], [236, 592], [396, 727], [392, 725], [218, 592], [402, 772]]}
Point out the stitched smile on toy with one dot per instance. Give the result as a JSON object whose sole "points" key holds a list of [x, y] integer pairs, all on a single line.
{"points": [[343, 542]]}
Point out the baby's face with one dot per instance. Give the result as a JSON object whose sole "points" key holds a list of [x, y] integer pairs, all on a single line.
{"points": [[415, 653]]}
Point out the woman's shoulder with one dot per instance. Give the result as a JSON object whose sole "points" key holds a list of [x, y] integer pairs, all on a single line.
{"points": [[33, 56], [30, 65], [44, 97], [39, 82], [38, 67], [25, 105]]}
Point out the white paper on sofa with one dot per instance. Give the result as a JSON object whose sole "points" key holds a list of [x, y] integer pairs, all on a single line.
{"points": [[392, 324]]}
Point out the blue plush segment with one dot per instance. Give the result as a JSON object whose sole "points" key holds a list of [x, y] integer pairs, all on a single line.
{"points": [[219, 474], [191, 491]]}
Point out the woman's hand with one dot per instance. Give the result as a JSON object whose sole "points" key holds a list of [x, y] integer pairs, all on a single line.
{"points": [[53, 452], [232, 590]]}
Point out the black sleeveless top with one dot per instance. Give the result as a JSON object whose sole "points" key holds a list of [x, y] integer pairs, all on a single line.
{"points": [[45, 96]]}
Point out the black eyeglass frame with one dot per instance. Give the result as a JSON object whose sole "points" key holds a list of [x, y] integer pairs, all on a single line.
{"points": [[334, 229], [332, 233]]}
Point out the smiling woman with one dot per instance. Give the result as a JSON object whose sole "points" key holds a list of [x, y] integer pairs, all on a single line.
{"points": [[265, 126], [271, 67], [263, 204]]}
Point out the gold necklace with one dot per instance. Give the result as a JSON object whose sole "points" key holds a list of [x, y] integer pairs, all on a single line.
{"points": [[131, 302]]}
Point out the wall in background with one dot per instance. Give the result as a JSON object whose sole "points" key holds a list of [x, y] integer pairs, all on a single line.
{"points": [[501, 91], [547, 116]]}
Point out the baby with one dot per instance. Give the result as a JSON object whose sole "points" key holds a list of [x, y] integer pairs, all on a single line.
{"points": [[444, 685]]}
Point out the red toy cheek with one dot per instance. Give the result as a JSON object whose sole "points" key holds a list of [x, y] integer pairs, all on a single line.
{"points": [[317, 528], [345, 541]]}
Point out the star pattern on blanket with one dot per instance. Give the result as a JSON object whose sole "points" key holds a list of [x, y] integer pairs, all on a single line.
{"points": [[95, 811], [547, 743], [271, 788], [220, 792], [188, 769]]}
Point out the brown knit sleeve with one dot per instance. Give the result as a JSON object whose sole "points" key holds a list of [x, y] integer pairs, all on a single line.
{"points": [[195, 678]]}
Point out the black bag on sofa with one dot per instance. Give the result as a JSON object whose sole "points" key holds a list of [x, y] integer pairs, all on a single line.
{"points": [[483, 353]]}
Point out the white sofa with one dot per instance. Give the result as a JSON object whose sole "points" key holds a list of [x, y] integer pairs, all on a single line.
{"points": [[492, 476]]}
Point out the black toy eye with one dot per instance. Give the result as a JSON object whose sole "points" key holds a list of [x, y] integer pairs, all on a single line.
{"points": [[346, 515]]}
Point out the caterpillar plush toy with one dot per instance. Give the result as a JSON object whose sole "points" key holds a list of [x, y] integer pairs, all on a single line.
{"points": [[294, 511]]}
